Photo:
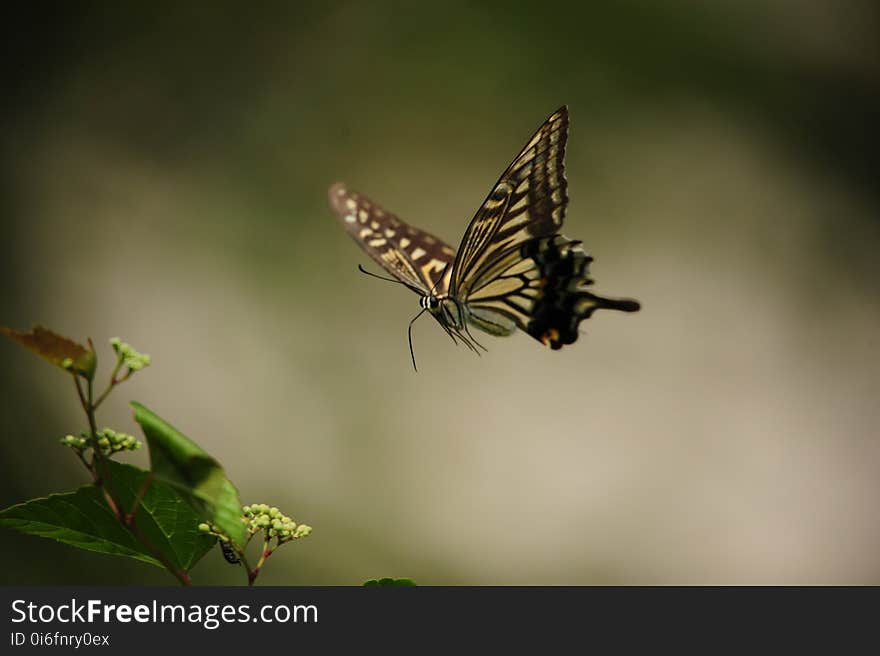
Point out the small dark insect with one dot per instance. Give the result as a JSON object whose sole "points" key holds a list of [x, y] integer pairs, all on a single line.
{"points": [[512, 269], [229, 553]]}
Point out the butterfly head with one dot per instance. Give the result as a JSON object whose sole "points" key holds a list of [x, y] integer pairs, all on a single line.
{"points": [[444, 309]]}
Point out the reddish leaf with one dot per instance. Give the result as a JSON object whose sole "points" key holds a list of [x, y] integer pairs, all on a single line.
{"points": [[56, 349]]}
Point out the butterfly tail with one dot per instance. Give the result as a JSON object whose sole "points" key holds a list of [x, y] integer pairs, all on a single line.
{"points": [[621, 304], [564, 301]]}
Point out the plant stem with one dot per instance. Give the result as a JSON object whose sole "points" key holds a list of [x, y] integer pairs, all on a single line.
{"points": [[99, 461], [82, 399], [255, 572], [87, 465], [103, 481], [113, 382]]}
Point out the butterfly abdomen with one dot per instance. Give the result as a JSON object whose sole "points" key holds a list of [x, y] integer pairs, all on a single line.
{"points": [[563, 302]]}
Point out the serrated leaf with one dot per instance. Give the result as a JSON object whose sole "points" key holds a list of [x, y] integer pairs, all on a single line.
{"points": [[83, 519], [56, 349], [388, 583], [180, 462], [164, 517]]}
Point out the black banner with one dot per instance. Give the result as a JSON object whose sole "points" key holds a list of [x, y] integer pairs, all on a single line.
{"points": [[145, 620]]}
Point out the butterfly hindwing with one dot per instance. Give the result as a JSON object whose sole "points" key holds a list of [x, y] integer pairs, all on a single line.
{"points": [[527, 202], [413, 256], [540, 289]]}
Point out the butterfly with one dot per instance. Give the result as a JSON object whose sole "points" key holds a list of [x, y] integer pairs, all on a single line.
{"points": [[513, 270]]}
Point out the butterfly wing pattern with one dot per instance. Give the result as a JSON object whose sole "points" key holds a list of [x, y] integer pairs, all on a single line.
{"points": [[417, 258], [513, 268], [540, 288], [527, 202]]}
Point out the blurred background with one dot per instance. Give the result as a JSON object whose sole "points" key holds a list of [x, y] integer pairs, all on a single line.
{"points": [[164, 177]]}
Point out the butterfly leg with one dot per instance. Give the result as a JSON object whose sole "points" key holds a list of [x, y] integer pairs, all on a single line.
{"points": [[450, 333], [468, 341], [468, 330]]}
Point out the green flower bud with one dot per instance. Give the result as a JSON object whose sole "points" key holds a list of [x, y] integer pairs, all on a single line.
{"points": [[302, 531], [204, 528], [130, 357]]}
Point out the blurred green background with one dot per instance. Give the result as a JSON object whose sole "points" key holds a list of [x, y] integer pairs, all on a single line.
{"points": [[165, 168]]}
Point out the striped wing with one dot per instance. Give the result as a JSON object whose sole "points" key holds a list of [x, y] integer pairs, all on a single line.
{"points": [[540, 288], [415, 257], [527, 202]]}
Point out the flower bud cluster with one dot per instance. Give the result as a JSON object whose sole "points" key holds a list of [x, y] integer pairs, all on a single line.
{"points": [[109, 441], [261, 517], [131, 358]]}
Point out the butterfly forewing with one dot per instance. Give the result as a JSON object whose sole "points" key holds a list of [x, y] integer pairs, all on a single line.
{"points": [[418, 259], [526, 203]]}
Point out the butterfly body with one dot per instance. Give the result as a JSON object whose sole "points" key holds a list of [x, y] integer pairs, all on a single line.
{"points": [[513, 270]]}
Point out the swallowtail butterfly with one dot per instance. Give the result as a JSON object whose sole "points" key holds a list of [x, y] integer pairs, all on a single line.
{"points": [[512, 269]]}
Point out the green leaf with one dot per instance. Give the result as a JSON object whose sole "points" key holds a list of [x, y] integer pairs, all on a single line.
{"points": [[388, 582], [164, 516], [60, 351], [180, 462], [83, 519]]}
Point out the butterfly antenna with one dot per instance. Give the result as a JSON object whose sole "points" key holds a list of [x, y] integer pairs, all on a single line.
{"points": [[399, 282], [376, 275], [412, 353]]}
